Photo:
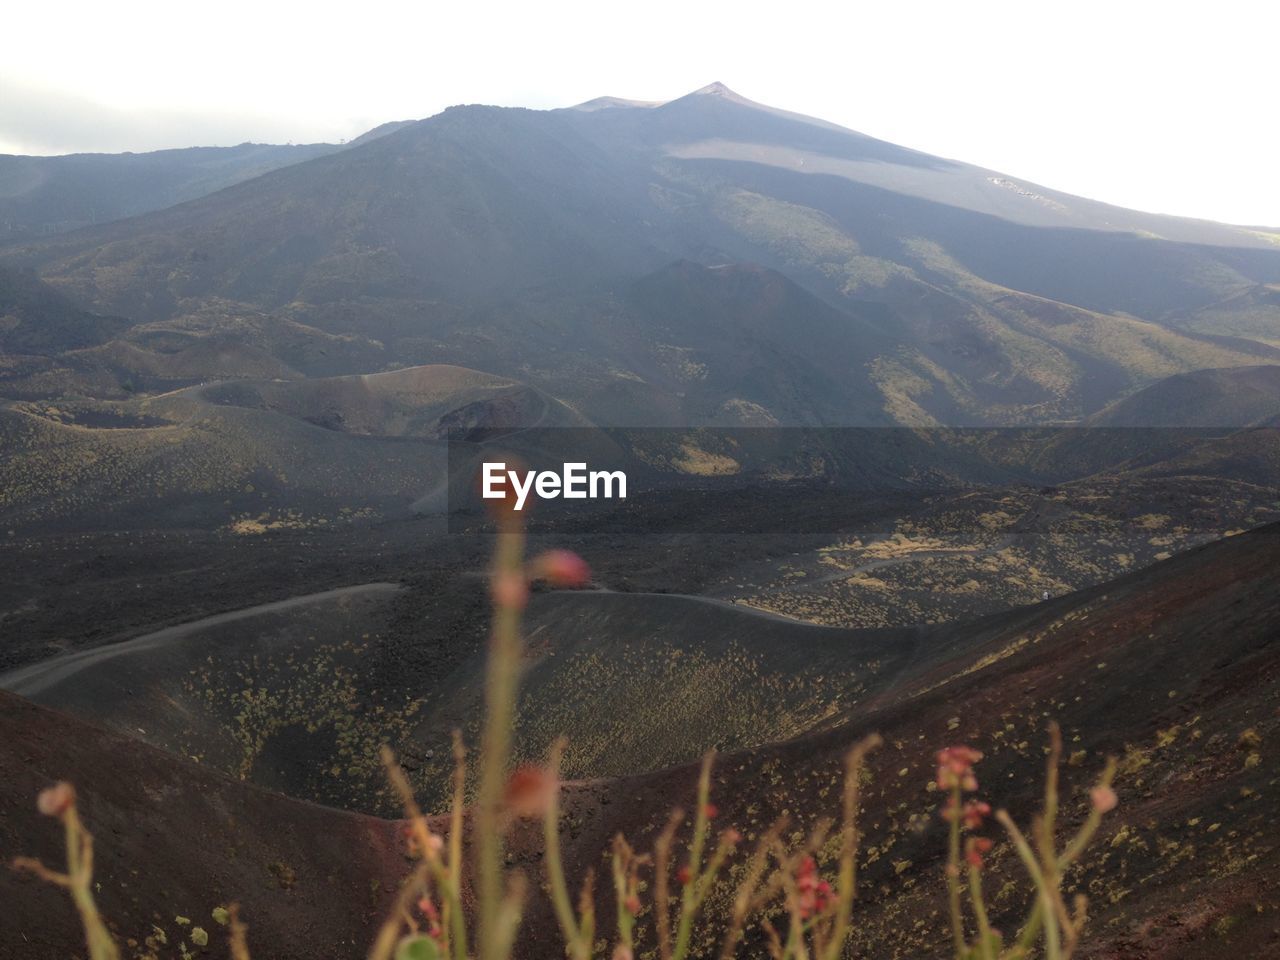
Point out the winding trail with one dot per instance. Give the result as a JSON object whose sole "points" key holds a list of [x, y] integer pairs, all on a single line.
{"points": [[34, 678], [700, 598]]}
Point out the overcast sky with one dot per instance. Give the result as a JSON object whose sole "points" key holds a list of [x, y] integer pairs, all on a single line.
{"points": [[1163, 106]]}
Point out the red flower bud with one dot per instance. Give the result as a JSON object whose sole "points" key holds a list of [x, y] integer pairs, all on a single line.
{"points": [[1104, 799], [56, 800], [428, 909], [955, 767], [974, 849], [812, 895], [950, 811], [683, 876], [561, 568], [975, 811]]}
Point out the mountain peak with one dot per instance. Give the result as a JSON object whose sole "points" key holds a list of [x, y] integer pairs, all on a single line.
{"points": [[716, 89]]}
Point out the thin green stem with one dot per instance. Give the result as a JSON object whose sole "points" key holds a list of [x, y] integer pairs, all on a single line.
{"points": [[577, 949], [953, 874], [847, 882], [986, 936], [102, 945], [500, 694], [688, 903], [1052, 940], [456, 922]]}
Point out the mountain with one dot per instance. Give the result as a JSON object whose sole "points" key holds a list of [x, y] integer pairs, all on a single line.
{"points": [[530, 244], [45, 195]]}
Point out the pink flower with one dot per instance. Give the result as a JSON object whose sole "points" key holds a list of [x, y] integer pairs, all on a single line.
{"points": [[56, 800], [955, 768], [561, 568], [950, 811], [1104, 799], [975, 811], [813, 895], [974, 849], [428, 909]]}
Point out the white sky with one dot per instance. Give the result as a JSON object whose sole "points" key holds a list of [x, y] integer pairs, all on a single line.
{"points": [[1164, 106]]}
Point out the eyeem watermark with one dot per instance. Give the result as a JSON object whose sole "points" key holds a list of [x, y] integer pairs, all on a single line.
{"points": [[573, 482]]}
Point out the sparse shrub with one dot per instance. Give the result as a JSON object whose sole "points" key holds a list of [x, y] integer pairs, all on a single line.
{"points": [[802, 914]]}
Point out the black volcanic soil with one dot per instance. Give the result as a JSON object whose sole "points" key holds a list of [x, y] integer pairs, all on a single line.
{"points": [[1174, 669]]}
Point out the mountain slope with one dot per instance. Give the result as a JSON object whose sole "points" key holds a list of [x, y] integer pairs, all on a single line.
{"points": [[1173, 669], [45, 195], [175, 840], [1239, 397], [36, 319], [507, 240]]}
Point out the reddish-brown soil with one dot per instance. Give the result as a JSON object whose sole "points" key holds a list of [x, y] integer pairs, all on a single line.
{"points": [[174, 840]]}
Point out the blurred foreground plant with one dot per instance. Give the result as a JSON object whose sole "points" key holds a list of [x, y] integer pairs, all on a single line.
{"points": [[1049, 919], [800, 914], [60, 801]]}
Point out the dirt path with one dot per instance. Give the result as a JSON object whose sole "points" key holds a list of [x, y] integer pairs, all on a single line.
{"points": [[700, 598], [32, 679]]}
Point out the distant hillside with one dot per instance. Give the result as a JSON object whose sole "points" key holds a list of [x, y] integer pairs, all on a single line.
{"points": [[519, 242], [37, 319], [46, 195], [1234, 397], [250, 455]]}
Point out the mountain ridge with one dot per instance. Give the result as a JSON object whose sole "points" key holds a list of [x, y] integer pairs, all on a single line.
{"points": [[502, 239]]}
